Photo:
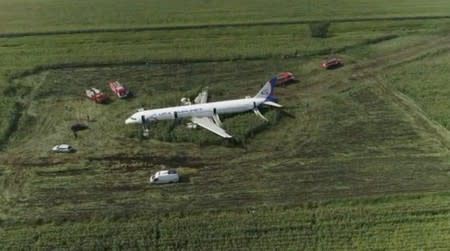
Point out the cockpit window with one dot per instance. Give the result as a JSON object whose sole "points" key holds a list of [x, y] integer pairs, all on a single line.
{"points": [[132, 118]]}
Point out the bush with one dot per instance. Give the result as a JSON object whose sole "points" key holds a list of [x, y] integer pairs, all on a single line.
{"points": [[319, 29]]}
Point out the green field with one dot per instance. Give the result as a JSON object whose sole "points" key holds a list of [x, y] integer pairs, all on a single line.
{"points": [[358, 158], [54, 15]]}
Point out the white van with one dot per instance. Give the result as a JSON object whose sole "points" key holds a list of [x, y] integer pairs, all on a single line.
{"points": [[165, 176], [63, 148]]}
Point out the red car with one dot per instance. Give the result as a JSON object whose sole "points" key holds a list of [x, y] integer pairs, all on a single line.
{"points": [[331, 63], [119, 89], [285, 78], [96, 95]]}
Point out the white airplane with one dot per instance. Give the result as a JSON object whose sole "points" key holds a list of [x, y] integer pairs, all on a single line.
{"points": [[206, 114]]}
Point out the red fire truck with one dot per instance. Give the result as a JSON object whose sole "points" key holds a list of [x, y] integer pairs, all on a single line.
{"points": [[118, 89], [96, 95]]}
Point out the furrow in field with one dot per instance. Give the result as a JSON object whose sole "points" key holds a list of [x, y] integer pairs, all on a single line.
{"points": [[220, 25]]}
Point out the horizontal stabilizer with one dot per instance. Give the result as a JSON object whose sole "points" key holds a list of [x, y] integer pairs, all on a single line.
{"points": [[258, 113], [271, 103]]}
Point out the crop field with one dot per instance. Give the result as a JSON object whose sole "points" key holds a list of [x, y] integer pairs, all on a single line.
{"points": [[358, 158]]}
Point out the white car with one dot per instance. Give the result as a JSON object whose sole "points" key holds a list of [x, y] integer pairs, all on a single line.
{"points": [[63, 148], [165, 176]]}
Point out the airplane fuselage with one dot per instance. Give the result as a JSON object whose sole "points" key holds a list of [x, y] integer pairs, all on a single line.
{"points": [[196, 110]]}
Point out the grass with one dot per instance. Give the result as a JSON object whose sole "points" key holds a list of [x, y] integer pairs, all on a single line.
{"points": [[358, 158], [430, 94], [133, 48], [221, 43], [53, 15], [356, 224], [10, 113]]}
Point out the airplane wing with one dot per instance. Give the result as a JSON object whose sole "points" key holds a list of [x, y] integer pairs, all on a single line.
{"points": [[208, 124], [202, 97]]}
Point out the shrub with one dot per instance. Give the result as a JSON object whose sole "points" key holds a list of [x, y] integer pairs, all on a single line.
{"points": [[319, 29]]}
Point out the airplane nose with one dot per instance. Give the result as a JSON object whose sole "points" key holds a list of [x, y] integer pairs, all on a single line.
{"points": [[128, 121]]}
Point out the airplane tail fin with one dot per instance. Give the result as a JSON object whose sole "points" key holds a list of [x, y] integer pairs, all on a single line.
{"points": [[267, 91]]}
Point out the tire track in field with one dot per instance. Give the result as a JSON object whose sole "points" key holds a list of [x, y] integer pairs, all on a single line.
{"points": [[348, 77], [401, 57], [217, 25], [72, 65], [363, 68], [406, 55], [420, 117], [371, 68], [409, 55]]}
